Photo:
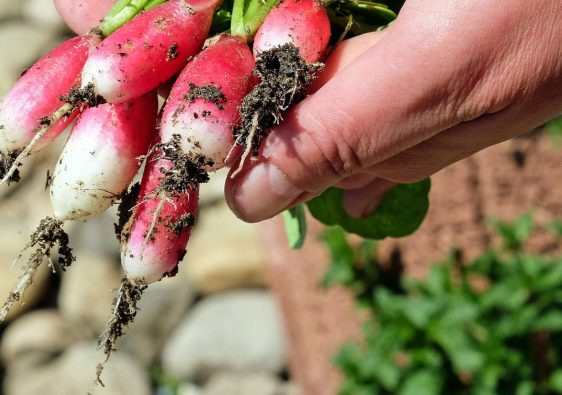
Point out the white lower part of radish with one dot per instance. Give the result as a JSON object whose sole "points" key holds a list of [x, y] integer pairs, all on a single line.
{"points": [[100, 158]]}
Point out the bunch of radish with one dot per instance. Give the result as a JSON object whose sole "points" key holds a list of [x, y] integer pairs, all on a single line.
{"points": [[224, 99]]}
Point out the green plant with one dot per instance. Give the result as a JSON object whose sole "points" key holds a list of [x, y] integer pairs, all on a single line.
{"points": [[492, 326]]}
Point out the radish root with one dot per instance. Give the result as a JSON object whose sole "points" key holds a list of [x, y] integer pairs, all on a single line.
{"points": [[125, 308], [48, 234]]}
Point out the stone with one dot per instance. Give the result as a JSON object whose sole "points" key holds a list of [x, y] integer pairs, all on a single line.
{"points": [[12, 242], [74, 373], [212, 192], [21, 44], [87, 291], [10, 8], [44, 14], [238, 330], [97, 234], [36, 337], [223, 253], [162, 306], [232, 383]]}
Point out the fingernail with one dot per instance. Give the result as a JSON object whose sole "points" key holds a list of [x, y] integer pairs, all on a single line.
{"points": [[262, 192]]}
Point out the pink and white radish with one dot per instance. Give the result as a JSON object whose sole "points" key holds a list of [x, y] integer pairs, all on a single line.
{"points": [[155, 240], [149, 49], [101, 157], [303, 23], [293, 36], [99, 161], [203, 105], [30, 104]]}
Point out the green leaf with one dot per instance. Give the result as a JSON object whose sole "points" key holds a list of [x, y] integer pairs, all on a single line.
{"points": [[551, 321], [342, 260], [295, 226], [555, 381], [554, 129], [515, 233], [399, 214], [423, 382]]}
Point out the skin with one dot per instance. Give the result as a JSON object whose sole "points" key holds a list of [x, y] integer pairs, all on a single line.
{"points": [[447, 79]]}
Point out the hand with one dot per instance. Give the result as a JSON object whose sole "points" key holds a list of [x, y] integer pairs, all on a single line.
{"points": [[447, 79]]}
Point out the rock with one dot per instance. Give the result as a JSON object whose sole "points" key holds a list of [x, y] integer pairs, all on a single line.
{"points": [[87, 291], [44, 14], [238, 330], [212, 192], [232, 383], [189, 389], [74, 373], [35, 338], [12, 242], [223, 253], [162, 306], [10, 8], [21, 44], [97, 234]]}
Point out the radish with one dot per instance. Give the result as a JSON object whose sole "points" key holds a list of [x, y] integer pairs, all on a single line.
{"points": [[148, 50], [303, 23], [195, 137], [98, 162], [30, 105], [293, 36]]}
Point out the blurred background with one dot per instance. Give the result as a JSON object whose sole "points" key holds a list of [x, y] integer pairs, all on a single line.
{"points": [[246, 315]]}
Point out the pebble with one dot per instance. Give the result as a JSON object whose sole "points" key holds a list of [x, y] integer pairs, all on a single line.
{"points": [[223, 253], [87, 291], [239, 330], [74, 372]]}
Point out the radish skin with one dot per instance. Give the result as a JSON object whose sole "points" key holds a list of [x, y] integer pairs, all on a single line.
{"points": [[101, 157], [149, 49], [205, 126], [147, 260], [304, 23], [37, 92]]}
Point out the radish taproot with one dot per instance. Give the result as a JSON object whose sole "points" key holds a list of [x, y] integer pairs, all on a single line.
{"points": [[30, 104], [293, 37], [98, 163]]}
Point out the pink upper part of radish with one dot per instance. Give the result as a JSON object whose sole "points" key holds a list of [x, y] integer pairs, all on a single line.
{"points": [[149, 49], [37, 92], [205, 124], [147, 259], [101, 157], [304, 23], [83, 15]]}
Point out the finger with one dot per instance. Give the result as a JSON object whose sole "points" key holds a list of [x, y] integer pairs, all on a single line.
{"points": [[83, 15], [363, 201], [355, 181], [343, 55]]}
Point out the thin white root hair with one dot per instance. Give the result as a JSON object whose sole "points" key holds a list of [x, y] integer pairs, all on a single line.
{"points": [[249, 144]]}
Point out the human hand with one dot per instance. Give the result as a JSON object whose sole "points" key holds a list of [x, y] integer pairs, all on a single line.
{"points": [[447, 79]]}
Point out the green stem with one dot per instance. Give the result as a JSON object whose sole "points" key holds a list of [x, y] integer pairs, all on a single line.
{"points": [[153, 3], [246, 19], [121, 13]]}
